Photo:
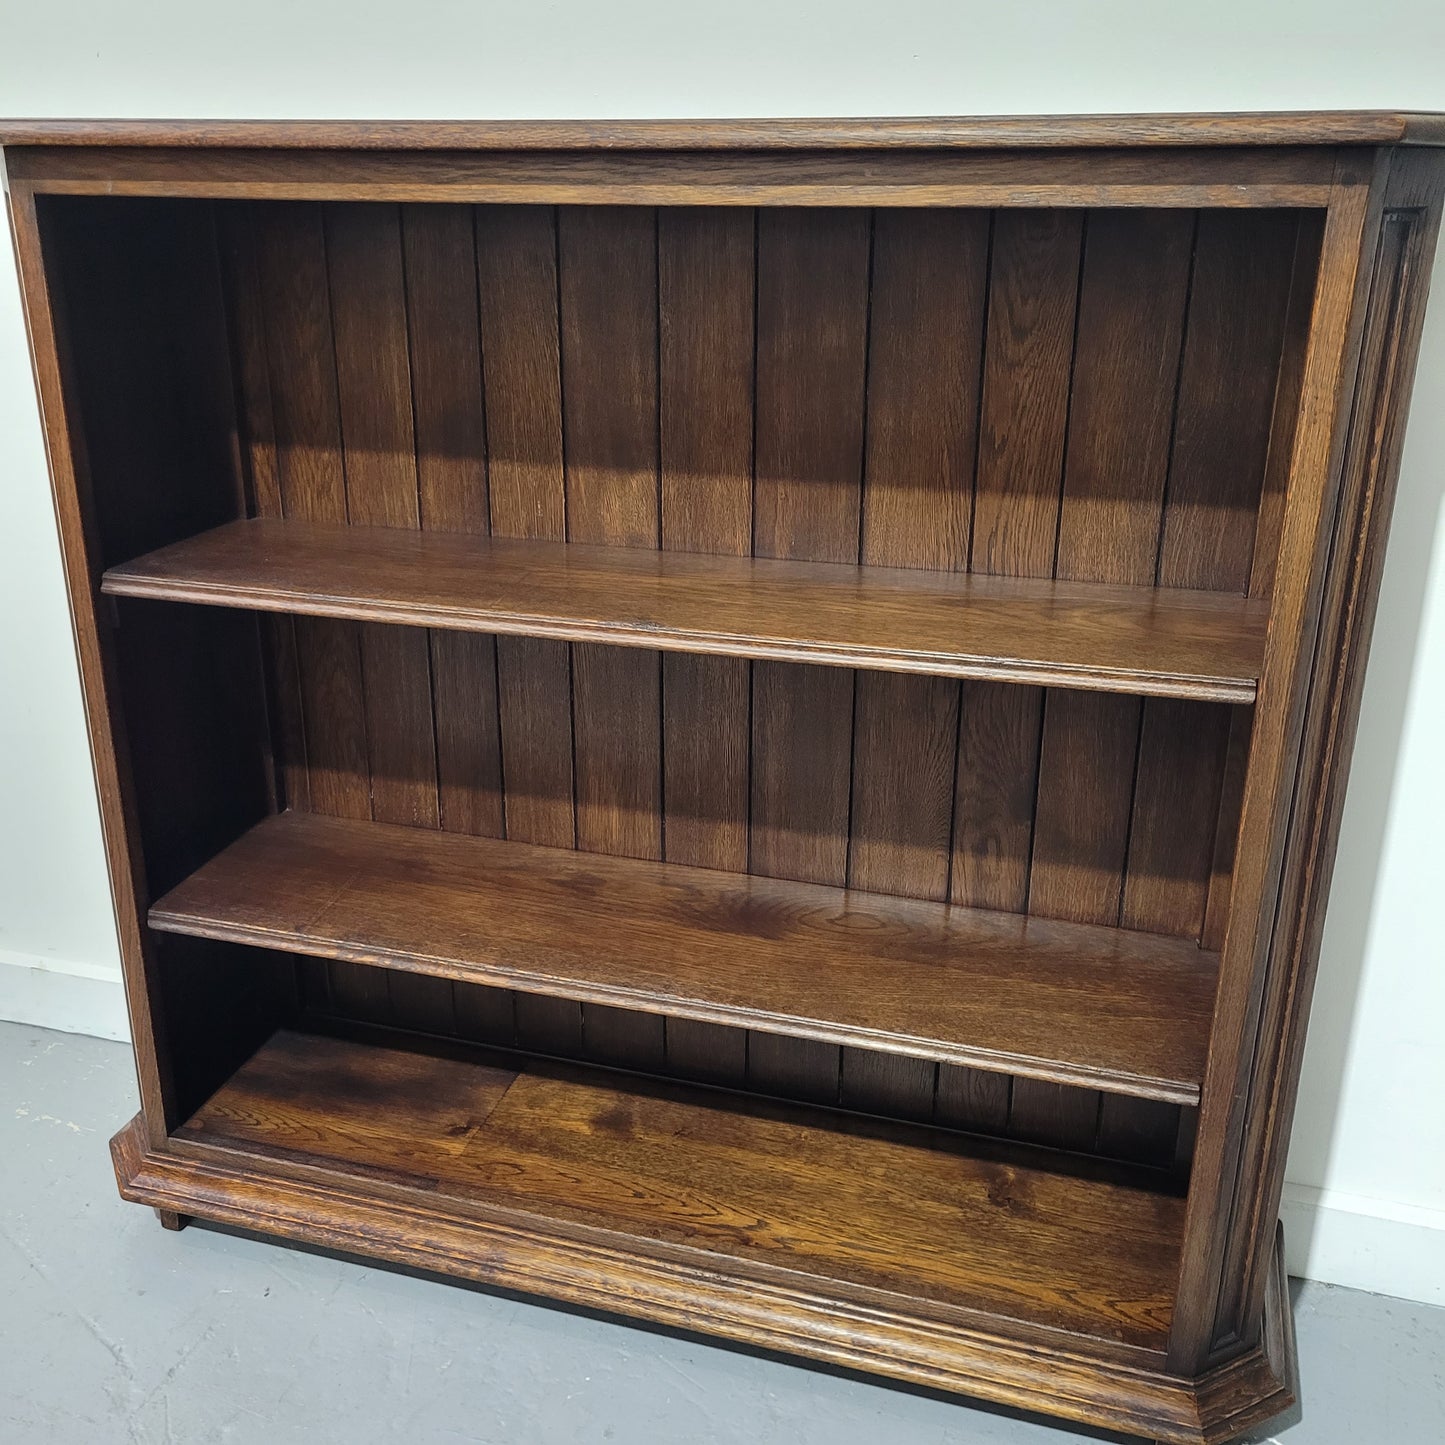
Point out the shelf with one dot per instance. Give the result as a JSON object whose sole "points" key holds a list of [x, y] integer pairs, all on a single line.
{"points": [[1071, 1003], [1156, 641], [708, 1181]]}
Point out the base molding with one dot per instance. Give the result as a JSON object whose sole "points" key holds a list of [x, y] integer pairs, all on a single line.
{"points": [[1064, 1377]]}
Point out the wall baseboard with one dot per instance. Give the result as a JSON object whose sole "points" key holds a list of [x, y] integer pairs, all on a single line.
{"points": [[1337, 1238], [75, 998], [1364, 1243]]}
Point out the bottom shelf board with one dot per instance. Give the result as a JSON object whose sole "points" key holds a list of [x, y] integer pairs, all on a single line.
{"points": [[895, 1250], [862, 1203]]}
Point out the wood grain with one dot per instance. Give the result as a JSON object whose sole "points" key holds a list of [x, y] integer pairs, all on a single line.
{"points": [[707, 289], [607, 302], [812, 336], [516, 257], [1341, 300], [1010, 1362], [907, 975], [1160, 642], [761, 1185], [373, 379], [1102, 177], [305, 412], [925, 338], [1028, 365], [1305, 127], [1227, 380], [1132, 298], [608, 306], [1153, 418]]}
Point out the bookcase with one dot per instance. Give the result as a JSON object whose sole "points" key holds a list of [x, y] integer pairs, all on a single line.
{"points": [[738, 723]]}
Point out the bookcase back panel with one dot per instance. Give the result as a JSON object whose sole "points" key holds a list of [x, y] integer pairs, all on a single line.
{"points": [[1090, 395], [1087, 395]]}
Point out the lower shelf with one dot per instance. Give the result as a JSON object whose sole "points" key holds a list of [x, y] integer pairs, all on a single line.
{"points": [[905, 1251]]}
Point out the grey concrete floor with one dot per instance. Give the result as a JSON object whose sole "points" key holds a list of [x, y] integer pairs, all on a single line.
{"points": [[112, 1329]]}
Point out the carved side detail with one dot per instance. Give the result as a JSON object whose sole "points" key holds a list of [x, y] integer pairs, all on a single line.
{"points": [[1379, 407]]}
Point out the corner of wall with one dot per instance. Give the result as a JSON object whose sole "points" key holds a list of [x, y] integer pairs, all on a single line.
{"points": [[1363, 1243], [75, 998]]}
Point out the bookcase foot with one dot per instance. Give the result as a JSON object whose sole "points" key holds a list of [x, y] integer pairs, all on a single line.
{"points": [[171, 1219]]}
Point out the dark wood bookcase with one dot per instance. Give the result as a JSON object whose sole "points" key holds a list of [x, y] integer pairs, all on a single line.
{"points": [[740, 723]]}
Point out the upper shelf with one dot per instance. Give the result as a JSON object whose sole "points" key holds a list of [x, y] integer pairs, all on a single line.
{"points": [[1157, 641]]}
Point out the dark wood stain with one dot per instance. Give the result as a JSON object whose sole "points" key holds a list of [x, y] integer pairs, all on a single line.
{"points": [[867, 615]]}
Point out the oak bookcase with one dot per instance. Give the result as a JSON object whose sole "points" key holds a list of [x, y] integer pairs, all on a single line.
{"points": [[741, 723]]}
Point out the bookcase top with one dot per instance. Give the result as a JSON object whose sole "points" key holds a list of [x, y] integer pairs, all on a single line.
{"points": [[1373, 127]]}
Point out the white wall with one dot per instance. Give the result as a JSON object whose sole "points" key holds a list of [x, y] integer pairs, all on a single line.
{"points": [[1366, 1204]]}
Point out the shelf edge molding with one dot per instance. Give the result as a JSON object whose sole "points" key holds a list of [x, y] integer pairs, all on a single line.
{"points": [[1165, 642], [1072, 1004]]}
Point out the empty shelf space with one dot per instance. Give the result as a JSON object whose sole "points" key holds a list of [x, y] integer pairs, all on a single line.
{"points": [[1155, 641], [714, 1180], [1071, 1003]]}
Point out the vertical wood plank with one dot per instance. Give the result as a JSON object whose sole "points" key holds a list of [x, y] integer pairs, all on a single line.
{"points": [[811, 363], [1081, 826], [373, 378], [925, 339], [446, 363], [706, 302], [1299, 311], [904, 746], [608, 287], [1140, 1131], [1126, 370], [1228, 376], [486, 1015], [705, 756], [1132, 296], [439, 253], [929, 278], [801, 747], [517, 298], [1227, 383], [904, 743], [1228, 380], [443, 326], [710, 1053], [1176, 801], [291, 255], [802, 736], [812, 335], [1055, 1115], [706, 299], [1086, 776], [374, 391], [1028, 361], [1226, 828], [237, 243], [521, 377], [607, 270], [534, 695], [998, 750], [236, 236], [706, 286], [972, 1099]]}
